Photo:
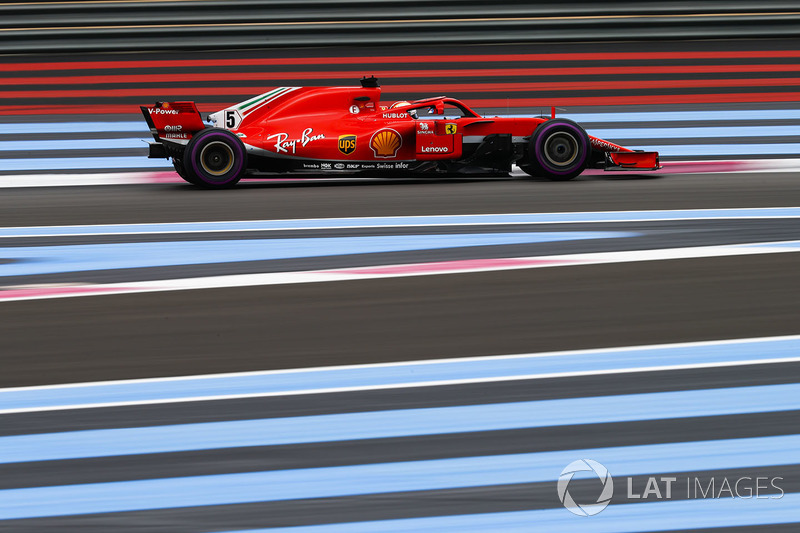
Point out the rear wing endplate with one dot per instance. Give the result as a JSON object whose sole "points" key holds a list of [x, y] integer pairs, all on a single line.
{"points": [[173, 121]]}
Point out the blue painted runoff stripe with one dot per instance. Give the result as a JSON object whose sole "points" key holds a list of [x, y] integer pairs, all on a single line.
{"points": [[33, 260], [607, 133], [72, 144], [699, 132], [406, 374], [83, 163], [402, 221], [139, 126], [678, 150], [680, 116], [398, 423], [789, 244], [439, 474], [624, 518]]}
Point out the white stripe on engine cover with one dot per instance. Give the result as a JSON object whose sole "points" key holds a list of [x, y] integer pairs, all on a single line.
{"points": [[282, 92]]}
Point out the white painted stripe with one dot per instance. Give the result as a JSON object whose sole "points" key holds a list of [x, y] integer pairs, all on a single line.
{"points": [[83, 163], [770, 346], [352, 274], [404, 385], [771, 166], [73, 180], [494, 219], [58, 180]]}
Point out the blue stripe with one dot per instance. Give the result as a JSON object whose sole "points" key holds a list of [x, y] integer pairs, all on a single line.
{"points": [[702, 132], [405, 221], [297, 381], [680, 150], [33, 260], [73, 144], [789, 244], [613, 134], [389, 477], [398, 423], [139, 126], [679, 116], [625, 518]]}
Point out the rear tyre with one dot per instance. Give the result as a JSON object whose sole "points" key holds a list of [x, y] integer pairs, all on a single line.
{"points": [[214, 159], [559, 150], [178, 164]]}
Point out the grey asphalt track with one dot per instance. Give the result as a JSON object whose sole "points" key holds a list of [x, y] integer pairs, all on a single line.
{"points": [[290, 326], [146, 335], [324, 199]]}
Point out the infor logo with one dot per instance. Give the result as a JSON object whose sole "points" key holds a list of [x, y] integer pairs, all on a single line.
{"points": [[347, 144], [585, 465]]}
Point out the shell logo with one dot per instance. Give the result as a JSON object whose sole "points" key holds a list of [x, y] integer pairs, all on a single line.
{"points": [[385, 143]]}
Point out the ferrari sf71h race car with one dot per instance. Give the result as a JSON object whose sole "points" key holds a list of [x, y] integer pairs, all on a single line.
{"points": [[345, 130]]}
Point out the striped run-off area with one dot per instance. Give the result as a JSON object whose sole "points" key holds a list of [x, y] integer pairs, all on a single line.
{"points": [[686, 100], [499, 76], [471, 444]]}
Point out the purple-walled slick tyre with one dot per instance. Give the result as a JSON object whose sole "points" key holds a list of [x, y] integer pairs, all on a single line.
{"points": [[215, 159], [179, 168], [559, 150]]}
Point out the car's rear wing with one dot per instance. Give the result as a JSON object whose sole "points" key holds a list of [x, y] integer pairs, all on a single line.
{"points": [[174, 122]]}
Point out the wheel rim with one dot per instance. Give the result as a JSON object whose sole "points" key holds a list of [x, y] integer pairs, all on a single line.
{"points": [[561, 149], [217, 158]]}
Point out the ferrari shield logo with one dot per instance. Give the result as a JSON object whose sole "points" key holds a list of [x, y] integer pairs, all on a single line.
{"points": [[450, 129], [347, 144]]}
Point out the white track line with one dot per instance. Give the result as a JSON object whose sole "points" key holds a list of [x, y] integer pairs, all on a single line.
{"points": [[201, 380], [400, 221], [395, 271]]}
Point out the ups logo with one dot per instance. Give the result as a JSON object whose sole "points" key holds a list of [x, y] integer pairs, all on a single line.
{"points": [[347, 144]]}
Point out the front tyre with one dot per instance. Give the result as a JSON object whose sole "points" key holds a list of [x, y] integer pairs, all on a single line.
{"points": [[559, 150], [215, 159]]}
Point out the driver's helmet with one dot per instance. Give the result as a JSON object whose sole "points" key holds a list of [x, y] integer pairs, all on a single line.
{"points": [[412, 113]]}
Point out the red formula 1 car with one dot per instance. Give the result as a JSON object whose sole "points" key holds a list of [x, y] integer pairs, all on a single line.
{"points": [[345, 130]]}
